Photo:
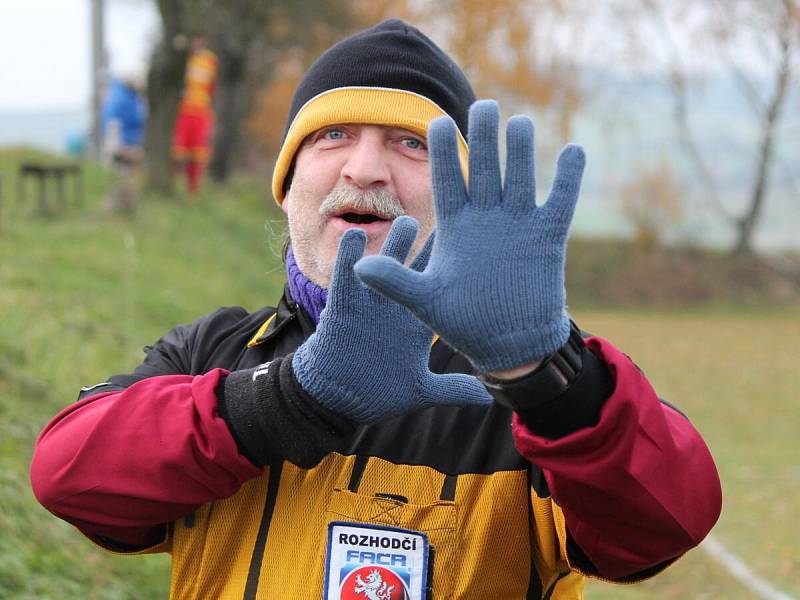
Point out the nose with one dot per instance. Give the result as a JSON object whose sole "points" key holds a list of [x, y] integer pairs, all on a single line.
{"points": [[366, 165]]}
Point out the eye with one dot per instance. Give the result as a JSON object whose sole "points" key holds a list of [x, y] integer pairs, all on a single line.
{"points": [[333, 134], [413, 143]]}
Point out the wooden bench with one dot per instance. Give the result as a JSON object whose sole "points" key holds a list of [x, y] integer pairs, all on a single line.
{"points": [[58, 173]]}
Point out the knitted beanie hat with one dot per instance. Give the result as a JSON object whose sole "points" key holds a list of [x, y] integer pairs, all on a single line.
{"points": [[390, 74]]}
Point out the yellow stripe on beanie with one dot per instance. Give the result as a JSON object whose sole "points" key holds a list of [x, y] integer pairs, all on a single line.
{"points": [[362, 105]]}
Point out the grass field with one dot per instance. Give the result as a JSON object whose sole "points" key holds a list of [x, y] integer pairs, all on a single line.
{"points": [[735, 376], [82, 292]]}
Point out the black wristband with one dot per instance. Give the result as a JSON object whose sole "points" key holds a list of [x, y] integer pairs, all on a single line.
{"points": [[549, 380], [272, 418], [578, 405]]}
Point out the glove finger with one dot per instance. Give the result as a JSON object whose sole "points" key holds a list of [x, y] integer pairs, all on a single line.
{"points": [[485, 185], [421, 261], [566, 184], [400, 239], [395, 281], [456, 390], [449, 191], [351, 248], [519, 191]]}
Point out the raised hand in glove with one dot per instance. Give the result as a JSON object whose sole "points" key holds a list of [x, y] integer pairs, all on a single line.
{"points": [[494, 284], [368, 359]]}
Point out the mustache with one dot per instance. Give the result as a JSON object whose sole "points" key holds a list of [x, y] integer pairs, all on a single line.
{"points": [[344, 198]]}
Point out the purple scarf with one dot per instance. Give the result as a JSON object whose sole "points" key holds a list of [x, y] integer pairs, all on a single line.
{"points": [[306, 293]]}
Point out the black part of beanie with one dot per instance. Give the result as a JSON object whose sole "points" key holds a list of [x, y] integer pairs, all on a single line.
{"points": [[392, 54]]}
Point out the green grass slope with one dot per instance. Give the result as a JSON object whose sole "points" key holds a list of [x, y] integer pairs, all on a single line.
{"points": [[80, 294]]}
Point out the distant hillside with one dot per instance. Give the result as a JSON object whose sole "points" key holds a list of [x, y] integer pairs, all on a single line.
{"points": [[618, 273]]}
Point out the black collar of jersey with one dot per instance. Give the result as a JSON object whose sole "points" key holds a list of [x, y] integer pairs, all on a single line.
{"points": [[287, 312]]}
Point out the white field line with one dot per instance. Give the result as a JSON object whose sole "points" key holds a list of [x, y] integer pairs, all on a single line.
{"points": [[741, 571]]}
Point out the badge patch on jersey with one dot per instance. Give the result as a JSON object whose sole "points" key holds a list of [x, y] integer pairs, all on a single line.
{"points": [[373, 562]]}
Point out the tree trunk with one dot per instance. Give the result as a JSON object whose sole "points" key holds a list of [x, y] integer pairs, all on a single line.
{"points": [[231, 107], [680, 114], [164, 88], [747, 224]]}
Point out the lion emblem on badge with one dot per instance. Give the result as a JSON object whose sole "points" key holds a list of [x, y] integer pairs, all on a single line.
{"points": [[374, 588], [373, 582]]}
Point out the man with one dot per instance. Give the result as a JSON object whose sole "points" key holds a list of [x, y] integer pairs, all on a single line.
{"points": [[333, 446], [124, 116], [195, 121]]}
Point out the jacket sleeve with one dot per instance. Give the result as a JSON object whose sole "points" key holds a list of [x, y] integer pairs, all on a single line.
{"points": [[638, 487], [140, 450], [120, 465]]}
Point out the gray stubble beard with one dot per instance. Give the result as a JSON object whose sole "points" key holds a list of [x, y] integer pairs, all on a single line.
{"points": [[339, 200]]}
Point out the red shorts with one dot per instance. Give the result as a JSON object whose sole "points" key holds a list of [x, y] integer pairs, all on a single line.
{"points": [[192, 137]]}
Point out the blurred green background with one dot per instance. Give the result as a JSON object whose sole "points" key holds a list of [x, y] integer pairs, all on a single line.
{"points": [[675, 105]]}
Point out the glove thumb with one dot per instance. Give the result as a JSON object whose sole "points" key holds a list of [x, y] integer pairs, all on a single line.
{"points": [[392, 279], [455, 390]]}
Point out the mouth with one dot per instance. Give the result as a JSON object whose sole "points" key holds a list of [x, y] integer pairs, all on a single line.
{"points": [[362, 218]]}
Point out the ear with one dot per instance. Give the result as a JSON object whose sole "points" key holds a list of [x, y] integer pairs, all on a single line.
{"points": [[287, 184]]}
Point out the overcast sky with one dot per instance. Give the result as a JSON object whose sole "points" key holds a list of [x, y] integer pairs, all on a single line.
{"points": [[45, 48]]}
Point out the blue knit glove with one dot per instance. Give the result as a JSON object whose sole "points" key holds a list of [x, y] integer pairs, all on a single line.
{"points": [[494, 285], [368, 359]]}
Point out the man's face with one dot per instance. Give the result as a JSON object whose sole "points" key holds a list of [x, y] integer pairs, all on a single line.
{"points": [[355, 176]]}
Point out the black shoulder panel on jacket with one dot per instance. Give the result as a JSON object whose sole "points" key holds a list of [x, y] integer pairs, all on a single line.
{"points": [[216, 340]]}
